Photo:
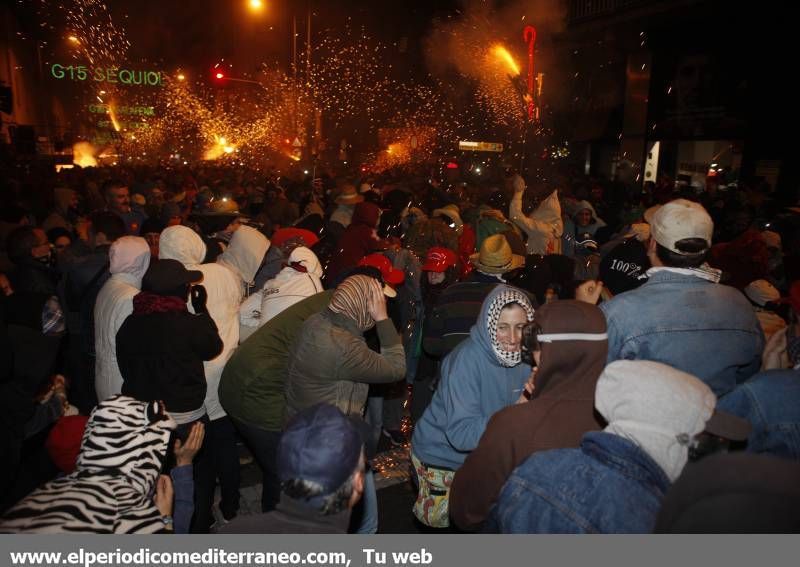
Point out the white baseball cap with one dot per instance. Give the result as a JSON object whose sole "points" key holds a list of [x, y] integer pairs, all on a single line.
{"points": [[678, 220], [761, 292]]}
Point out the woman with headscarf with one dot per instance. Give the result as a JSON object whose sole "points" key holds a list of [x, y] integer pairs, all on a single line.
{"points": [[568, 343], [298, 280], [330, 361], [129, 258], [482, 375]]}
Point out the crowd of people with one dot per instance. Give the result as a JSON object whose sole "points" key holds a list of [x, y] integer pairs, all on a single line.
{"points": [[557, 355]]}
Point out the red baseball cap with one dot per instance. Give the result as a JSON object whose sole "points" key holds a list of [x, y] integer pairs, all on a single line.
{"points": [[439, 259], [284, 234], [389, 274]]}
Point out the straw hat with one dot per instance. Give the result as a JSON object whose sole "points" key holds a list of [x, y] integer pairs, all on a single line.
{"points": [[496, 256]]}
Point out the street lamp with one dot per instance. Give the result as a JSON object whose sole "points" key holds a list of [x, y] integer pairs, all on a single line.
{"points": [[256, 5]]}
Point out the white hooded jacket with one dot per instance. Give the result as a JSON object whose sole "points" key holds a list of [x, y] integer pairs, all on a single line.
{"points": [[129, 258], [544, 226], [224, 289], [281, 292]]}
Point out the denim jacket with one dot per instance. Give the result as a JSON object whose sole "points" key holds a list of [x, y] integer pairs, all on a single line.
{"points": [[770, 401], [703, 328], [608, 485]]}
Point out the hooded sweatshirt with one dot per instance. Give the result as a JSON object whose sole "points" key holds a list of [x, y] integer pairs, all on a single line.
{"points": [[592, 227], [129, 258], [544, 226], [224, 290], [476, 382], [658, 408], [298, 280], [358, 240], [559, 412], [111, 489]]}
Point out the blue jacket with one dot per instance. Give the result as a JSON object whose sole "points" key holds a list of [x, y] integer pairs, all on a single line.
{"points": [[608, 485], [770, 401], [474, 386], [708, 330]]}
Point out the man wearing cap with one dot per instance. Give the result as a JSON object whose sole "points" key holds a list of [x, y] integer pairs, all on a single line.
{"points": [[682, 316], [459, 305], [346, 202], [321, 468], [615, 481]]}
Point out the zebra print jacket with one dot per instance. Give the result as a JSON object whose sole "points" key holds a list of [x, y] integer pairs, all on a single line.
{"points": [[111, 489]]}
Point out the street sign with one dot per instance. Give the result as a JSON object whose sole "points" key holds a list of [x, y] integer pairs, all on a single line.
{"points": [[297, 143], [480, 146]]}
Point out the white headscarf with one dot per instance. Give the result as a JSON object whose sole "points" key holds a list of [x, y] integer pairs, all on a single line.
{"points": [[501, 301]]}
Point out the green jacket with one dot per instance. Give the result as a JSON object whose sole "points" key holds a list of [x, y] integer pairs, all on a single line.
{"points": [[252, 384], [330, 362]]}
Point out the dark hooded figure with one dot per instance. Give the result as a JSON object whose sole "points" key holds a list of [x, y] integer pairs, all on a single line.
{"points": [[567, 340], [358, 240]]}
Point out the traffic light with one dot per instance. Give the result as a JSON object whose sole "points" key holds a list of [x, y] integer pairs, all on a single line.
{"points": [[219, 74]]}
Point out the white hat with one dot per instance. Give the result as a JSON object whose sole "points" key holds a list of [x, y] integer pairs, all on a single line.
{"points": [[761, 292], [661, 409], [678, 220]]}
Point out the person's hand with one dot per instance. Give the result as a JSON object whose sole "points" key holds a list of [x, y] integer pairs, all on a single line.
{"points": [[527, 390], [376, 303], [589, 291], [60, 389], [199, 296], [164, 495], [5, 286], [186, 451], [518, 183]]}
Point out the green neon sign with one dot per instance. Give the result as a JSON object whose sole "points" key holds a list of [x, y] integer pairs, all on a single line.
{"points": [[115, 75]]}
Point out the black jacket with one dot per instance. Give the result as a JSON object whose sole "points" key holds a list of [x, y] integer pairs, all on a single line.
{"points": [[161, 356]]}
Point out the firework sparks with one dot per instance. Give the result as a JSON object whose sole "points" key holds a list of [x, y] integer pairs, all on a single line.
{"points": [[502, 55]]}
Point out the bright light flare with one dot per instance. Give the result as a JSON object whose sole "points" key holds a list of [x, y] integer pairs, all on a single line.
{"points": [[83, 154], [503, 56], [256, 5]]}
